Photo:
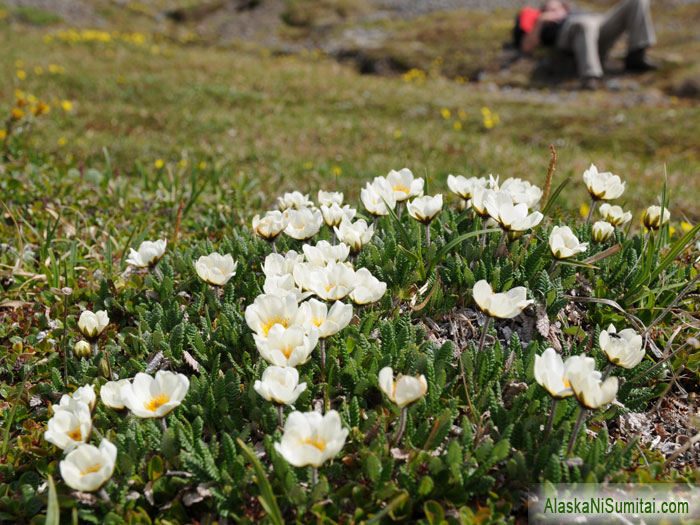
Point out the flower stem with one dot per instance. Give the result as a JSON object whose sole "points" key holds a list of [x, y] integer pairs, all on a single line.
{"points": [[482, 341], [402, 427], [553, 266], [466, 388], [590, 212], [501, 244], [427, 235], [607, 371], [577, 427], [323, 356], [274, 246], [314, 477], [332, 236], [555, 402], [280, 415], [163, 424], [398, 210], [63, 339]]}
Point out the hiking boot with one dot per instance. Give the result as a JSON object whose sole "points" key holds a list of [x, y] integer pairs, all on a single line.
{"points": [[637, 62], [591, 83]]}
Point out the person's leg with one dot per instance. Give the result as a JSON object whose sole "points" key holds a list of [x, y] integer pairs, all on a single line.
{"points": [[580, 34], [632, 17]]}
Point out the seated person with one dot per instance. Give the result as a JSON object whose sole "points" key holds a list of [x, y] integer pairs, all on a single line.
{"points": [[589, 36]]}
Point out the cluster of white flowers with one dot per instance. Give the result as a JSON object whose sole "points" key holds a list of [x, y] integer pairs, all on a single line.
{"points": [[86, 467], [287, 322]]}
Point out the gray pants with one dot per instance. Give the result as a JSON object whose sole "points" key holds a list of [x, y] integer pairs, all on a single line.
{"points": [[591, 36]]}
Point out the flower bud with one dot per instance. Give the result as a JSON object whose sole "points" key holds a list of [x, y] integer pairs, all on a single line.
{"points": [[104, 368], [17, 347], [652, 217], [602, 231], [82, 349]]}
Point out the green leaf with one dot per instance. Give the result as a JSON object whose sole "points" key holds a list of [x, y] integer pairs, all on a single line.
{"points": [[53, 510], [267, 497], [439, 256]]}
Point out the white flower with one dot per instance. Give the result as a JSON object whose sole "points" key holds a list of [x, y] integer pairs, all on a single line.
{"points": [[522, 192], [354, 234], [269, 310], [303, 275], [87, 468], [314, 313], [286, 346], [148, 253], [295, 199], [623, 348], [404, 185], [563, 243], [92, 324], [550, 373], [405, 390], [110, 393], [280, 385], [652, 217], [86, 394], [283, 285], [461, 185], [603, 186], [602, 231], [327, 198], [82, 349], [368, 289], [511, 217], [480, 197], [70, 425], [311, 438], [326, 253], [276, 264], [587, 384], [271, 225], [376, 196], [503, 305], [425, 209], [333, 282], [157, 396], [334, 214], [215, 268], [303, 223], [614, 214]]}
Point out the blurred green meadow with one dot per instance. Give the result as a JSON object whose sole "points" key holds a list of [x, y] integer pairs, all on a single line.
{"points": [[303, 120]]}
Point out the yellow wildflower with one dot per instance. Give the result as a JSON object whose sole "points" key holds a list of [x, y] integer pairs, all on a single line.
{"points": [[458, 125], [3, 134], [445, 113], [462, 114], [67, 105], [203, 165], [62, 141], [686, 226], [21, 74], [159, 163], [397, 133], [337, 171], [17, 113], [39, 70], [584, 210]]}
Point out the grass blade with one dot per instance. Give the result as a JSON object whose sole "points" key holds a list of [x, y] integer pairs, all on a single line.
{"points": [[267, 497], [53, 510]]}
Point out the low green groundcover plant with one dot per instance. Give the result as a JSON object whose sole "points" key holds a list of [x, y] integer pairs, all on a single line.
{"points": [[164, 359]]}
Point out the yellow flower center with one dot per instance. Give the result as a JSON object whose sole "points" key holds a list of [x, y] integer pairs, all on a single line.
{"points": [[566, 382], [320, 444], [156, 402], [287, 350], [91, 469], [76, 434], [401, 187], [329, 288], [317, 321], [265, 327]]}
